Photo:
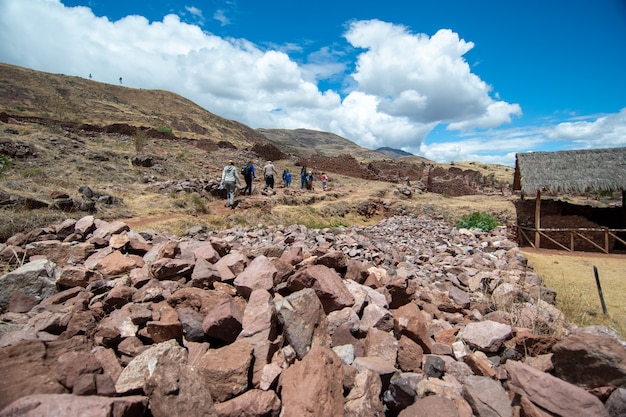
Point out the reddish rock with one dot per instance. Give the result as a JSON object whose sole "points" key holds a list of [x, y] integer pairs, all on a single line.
{"points": [[410, 321], [410, 354], [85, 384], [25, 372], [313, 386], [58, 405], [259, 274], [590, 360], [105, 229], [85, 225], [77, 276], [432, 406], [166, 268], [22, 303], [480, 365], [402, 292], [231, 265], [364, 397], [381, 344], [533, 344], [487, 397], [116, 264], [446, 336], [166, 326], [327, 284], [204, 274], [201, 300], [226, 370], [552, 394], [109, 362], [293, 255], [118, 297], [251, 403], [223, 321], [177, 389], [70, 365]]}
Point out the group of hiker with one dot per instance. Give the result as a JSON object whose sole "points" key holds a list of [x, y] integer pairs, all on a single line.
{"points": [[230, 179]]}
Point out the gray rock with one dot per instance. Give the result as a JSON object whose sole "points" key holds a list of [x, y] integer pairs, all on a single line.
{"points": [[37, 278]]}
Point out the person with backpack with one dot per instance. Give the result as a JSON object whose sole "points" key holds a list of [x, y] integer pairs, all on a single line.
{"points": [[230, 179], [248, 174]]}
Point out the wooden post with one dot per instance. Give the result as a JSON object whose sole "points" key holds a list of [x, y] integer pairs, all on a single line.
{"points": [[595, 272], [537, 219], [624, 205]]}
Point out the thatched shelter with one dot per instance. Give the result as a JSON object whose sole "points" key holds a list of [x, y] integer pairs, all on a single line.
{"points": [[571, 171], [579, 171]]}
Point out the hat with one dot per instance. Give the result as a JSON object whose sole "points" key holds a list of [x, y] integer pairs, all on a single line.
{"points": [[230, 162]]}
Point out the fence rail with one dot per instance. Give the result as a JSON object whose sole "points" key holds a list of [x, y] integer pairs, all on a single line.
{"points": [[573, 232]]}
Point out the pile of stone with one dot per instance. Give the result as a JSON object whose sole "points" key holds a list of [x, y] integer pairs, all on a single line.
{"points": [[410, 317]]}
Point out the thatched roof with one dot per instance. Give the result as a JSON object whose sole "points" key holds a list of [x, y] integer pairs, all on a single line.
{"points": [[571, 171]]}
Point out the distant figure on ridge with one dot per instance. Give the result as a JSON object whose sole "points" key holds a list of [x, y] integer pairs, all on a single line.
{"points": [[120, 80]]}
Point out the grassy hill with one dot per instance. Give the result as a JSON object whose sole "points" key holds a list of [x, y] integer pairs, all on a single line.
{"points": [[142, 148], [75, 101]]}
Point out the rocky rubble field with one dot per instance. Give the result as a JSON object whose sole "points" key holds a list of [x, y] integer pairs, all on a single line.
{"points": [[410, 317]]}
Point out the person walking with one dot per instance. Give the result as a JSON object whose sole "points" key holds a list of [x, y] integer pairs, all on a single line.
{"points": [[230, 179], [248, 175], [269, 170], [286, 179], [324, 181]]}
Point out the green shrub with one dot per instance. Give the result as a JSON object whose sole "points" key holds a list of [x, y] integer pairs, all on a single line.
{"points": [[477, 220], [5, 162], [165, 129]]}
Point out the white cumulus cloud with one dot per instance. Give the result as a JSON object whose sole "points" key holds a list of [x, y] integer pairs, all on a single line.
{"points": [[402, 85]]}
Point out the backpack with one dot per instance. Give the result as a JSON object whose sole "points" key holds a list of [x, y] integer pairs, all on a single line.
{"points": [[245, 170]]}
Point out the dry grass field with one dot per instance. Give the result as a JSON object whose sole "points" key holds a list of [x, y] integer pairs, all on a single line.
{"points": [[572, 276]]}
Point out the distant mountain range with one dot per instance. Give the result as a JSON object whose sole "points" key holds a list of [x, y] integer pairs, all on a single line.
{"points": [[393, 153]]}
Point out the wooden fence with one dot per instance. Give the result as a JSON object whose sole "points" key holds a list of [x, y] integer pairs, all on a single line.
{"points": [[538, 233]]}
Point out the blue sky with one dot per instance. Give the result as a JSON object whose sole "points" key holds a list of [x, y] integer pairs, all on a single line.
{"points": [[451, 80]]}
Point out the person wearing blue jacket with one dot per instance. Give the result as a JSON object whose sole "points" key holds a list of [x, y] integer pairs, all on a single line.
{"points": [[248, 175]]}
